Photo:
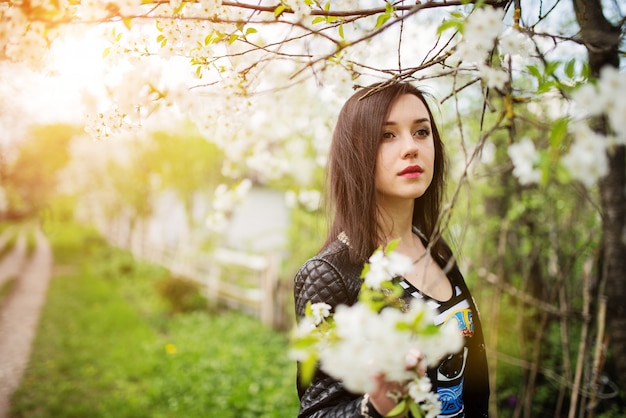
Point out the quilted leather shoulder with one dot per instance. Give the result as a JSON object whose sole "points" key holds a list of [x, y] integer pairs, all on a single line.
{"points": [[328, 277]]}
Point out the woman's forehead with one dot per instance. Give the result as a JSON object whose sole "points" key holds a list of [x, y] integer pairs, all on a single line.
{"points": [[407, 107]]}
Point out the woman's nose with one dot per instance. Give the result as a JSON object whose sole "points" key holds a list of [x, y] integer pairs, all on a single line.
{"points": [[409, 146]]}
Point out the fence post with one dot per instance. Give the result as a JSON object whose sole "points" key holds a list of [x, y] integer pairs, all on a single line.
{"points": [[269, 277]]}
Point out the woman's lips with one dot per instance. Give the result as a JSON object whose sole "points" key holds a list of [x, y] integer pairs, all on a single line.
{"points": [[411, 171]]}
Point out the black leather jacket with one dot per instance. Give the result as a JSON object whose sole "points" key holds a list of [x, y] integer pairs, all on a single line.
{"points": [[330, 277]]}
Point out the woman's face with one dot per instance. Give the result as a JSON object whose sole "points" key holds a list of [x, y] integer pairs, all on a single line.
{"points": [[406, 154]]}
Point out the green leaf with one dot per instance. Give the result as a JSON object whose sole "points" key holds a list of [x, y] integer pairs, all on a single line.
{"points": [[449, 24], [307, 369], [534, 71], [304, 343], [416, 411], [558, 132], [551, 67], [545, 86], [317, 20], [127, 22], [570, 68], [218, 37], [382, 19], [392, 245], [179, 8], [106, 52], [341, 31], [585, 71], [232, 38], [250, 31], [279, 10], [397, 410], [366, 269]]}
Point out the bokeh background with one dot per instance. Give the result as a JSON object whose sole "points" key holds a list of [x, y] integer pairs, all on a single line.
{"points": [[155, 206]]}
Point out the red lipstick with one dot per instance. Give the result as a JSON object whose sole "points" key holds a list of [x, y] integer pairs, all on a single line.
{"points": [[411, 171]]}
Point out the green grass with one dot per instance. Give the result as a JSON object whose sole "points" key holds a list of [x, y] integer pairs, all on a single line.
{"points": [[6, 288], [15, 229], [9, 245], [107, 346]]}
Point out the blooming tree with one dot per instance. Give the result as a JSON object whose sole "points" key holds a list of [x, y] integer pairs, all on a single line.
{"points": [[263, 79]]}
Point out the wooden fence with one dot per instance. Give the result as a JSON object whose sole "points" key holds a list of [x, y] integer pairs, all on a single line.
{"points": [[254, 291]]}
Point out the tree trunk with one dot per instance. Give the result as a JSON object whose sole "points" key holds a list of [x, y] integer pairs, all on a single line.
{"points": [[614, 258], [602, 41]]}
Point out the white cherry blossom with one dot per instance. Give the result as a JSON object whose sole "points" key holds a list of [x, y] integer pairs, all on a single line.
{"points": [[605, 97], [586, 160], [524, 157], [310, 199], [383, 267], [588, 99], [515, 43], [357, 347], [419, 389], [320, 311], [484, 24], [479, 34], [493, 77]]}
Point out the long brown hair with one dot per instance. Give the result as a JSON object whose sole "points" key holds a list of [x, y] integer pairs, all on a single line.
{"points": [[351, 171]]}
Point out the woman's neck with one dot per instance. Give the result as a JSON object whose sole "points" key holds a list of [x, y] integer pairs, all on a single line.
{"points": [[396, 222]]}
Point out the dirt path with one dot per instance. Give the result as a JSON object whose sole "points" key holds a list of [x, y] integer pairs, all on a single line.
{"points": [[19, 315]]}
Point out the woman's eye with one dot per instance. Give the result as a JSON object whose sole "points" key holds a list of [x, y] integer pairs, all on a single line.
{"points": [[388, 135], [422, 132]]}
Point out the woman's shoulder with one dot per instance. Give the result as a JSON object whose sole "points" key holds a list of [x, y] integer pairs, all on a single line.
{"points": [[331, 261], [335, 256], [328, 277]]}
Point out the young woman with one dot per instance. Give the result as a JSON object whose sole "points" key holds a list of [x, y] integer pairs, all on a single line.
{"points": [[387, 171]]}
